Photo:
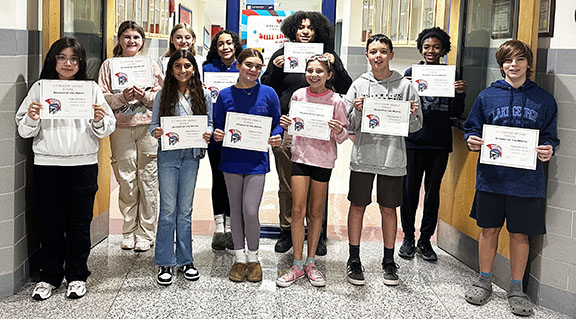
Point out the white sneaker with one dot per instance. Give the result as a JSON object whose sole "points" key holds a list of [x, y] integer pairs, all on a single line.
{"points": [[42, 291], [76, 289], [128, 242], [142, 245]]}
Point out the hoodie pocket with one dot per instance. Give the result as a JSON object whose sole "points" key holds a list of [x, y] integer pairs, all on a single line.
{"points": [[380, 151]]}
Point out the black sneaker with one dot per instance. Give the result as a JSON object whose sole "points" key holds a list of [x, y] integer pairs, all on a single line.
{"points": [[164, 276], [321, 248], [285, 242], [355, 272], [408, 248], [190, 272], [424, 248], [390, 276]]}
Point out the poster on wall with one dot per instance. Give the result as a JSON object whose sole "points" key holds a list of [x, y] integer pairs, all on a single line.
{"points": [[184, 15], [261, 29]]}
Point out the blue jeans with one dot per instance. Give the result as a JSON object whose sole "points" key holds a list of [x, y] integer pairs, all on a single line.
{"points": [[177, 171]]}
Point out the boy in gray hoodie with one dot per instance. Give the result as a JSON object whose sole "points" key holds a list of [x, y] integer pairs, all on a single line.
{"points": [[378, 155]]}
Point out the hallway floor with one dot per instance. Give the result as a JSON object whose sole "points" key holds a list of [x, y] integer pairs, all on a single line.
{"points": [[123, 285]]}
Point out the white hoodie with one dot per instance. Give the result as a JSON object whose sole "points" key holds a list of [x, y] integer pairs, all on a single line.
{"points": [[376, 153], [64, 142]]}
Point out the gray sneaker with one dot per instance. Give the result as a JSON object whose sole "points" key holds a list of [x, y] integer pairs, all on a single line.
{"points": [[390, 276]]}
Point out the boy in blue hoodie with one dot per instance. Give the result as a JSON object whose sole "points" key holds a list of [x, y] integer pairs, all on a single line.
{"points": [[517, 196], [377, 155]]}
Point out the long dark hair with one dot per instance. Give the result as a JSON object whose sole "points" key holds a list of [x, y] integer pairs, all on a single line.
{"points": [[132, 25], [170, 97], [213, 51], [323, 29], [49, 67]]}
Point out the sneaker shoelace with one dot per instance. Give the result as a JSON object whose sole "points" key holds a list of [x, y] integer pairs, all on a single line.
{"points": [[315, 274], [41, 286], [289, 275], [355, 268], [391, 268], [75, 285]]}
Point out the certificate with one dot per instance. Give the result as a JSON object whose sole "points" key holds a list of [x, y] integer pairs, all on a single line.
{"points": [[310, 120], [182, 132], [247, 132], [66, 99], [135, 71], [509, 146], [216, 81], [295, 55], [434, 80], [388, 117]]}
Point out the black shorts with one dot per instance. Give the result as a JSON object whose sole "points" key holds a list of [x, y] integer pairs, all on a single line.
{"points": [[388, 189], [523, 215], [318, 174]]}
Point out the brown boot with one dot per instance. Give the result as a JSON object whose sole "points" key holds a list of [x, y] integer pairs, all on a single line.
{"points": [[254, 271], [237, 272]]}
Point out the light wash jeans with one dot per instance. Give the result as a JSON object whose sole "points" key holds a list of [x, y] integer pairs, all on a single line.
{"points": [[177, 172]]}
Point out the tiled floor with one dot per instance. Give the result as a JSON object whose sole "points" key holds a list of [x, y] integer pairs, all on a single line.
{"points": [[122, 286]]}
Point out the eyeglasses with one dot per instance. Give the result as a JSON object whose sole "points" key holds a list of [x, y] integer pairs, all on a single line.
{"points": [[249, 65], [61, 58]]}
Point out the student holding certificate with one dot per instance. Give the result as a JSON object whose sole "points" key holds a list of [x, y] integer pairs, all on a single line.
{"points": [[514, 195], [65, 172], [377, 155], [182, 37], [224, 49], [302, 27], [312, 163], [245, 170], [133, 149], [427, 150], [182, 94]]}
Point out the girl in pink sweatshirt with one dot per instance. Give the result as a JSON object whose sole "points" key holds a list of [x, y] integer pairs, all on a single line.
{"points": [[312, 163]]}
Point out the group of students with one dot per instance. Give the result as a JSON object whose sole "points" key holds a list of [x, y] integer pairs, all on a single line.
{"points": [[66, 154]]}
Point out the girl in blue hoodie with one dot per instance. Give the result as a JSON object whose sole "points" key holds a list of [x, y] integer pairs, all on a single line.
{"points": [[517, 196]]}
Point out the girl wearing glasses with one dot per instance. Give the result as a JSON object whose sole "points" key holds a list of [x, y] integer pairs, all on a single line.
{"points": [[224, 50], [65, 172], [245, 170], [133, 149], [312, 163], [305, 27]]}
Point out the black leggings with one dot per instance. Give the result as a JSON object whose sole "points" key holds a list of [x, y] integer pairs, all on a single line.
{"points": [[220, 202]]}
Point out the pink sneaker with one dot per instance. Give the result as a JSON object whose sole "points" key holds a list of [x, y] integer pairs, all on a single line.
{"points": [[315, 275], [288, 278]]}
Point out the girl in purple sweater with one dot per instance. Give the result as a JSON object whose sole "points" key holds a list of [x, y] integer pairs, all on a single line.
{"points": [[312, 163]]}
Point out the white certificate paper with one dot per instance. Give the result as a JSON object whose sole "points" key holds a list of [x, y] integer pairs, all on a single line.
{"points": [[434, 80], [216, 81], [66, 99], [388, 117], [135, 71], [310, 120], [182, 132], [247, 132], [295, 55], [509, 146]]}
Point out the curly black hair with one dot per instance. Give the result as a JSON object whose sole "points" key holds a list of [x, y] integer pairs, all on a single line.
{"points": [[213, 52], [323, 28], [434, 33], [49, 67]]}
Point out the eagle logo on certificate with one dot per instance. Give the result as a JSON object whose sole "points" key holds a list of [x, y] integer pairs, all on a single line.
{"points": [[298, 124], [293, 62], [54, 106], [122, 78], [173, 138], [235, 135], [374, 120], [422, 85], [495, 151]]}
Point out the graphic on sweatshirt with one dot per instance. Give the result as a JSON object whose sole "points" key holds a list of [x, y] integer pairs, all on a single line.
{"points": [[122, 78], [236, 135], [173, 138], [422, 85], [495, 151], [54, 106], [298, 124], [374, 121]]}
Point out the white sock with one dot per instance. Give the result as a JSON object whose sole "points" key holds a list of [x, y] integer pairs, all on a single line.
{"points": [[227, 225], [219, 221], [240, 255], [252, 256]]}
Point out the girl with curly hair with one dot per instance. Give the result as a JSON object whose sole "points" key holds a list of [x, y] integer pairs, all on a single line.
{"points": [[304, 27]]}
